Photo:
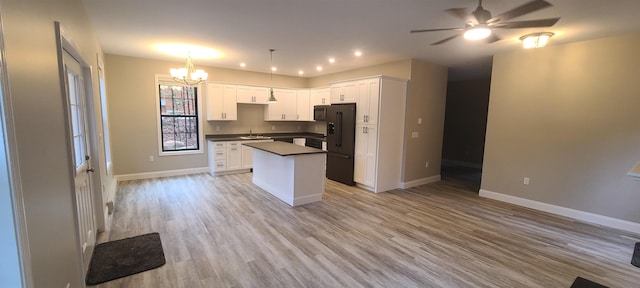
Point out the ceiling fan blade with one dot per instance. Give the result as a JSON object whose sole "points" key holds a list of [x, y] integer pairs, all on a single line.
{"points": [[527, 24], [433, 30], [462, 14], [527, 8], [444, 40], [493, 38]]}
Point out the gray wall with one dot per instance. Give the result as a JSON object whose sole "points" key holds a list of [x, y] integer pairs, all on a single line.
{"points": [[40, 123], [567, 117], [465, 121]]}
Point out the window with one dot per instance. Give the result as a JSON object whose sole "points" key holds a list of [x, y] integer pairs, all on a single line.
{"points": [[179, 123]]}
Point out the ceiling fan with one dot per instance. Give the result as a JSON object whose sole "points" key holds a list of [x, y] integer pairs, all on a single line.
{"points": [[479, 23]]}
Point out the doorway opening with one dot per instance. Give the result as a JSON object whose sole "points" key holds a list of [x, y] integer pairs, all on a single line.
{"points": [[465, 124]]}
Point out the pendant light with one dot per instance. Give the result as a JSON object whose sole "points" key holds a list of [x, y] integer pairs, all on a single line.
{"points": [[272, 98]]}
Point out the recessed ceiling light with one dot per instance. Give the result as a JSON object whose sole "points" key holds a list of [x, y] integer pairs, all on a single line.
{"points": [[300, 72], [274, 69], [332, 60], [319, 68], [243, 64], [358, 53]]}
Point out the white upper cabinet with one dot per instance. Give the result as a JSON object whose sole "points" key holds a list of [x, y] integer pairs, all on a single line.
{"points": [[368, 99], [302, 105], [252, 94], [321, 96], [283, 110], [221, 102], [345, 92]]}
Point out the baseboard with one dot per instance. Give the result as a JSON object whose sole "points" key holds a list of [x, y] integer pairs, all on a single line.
{"points": [[448, 162], [168, 173], [423, 181], [307, 199], [563, 211]]}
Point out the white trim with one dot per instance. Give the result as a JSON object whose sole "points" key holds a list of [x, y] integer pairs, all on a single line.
{"points": [[563, 211], [635, 171], [461, 163], [157, 174], [423, 181], [163, 78]]}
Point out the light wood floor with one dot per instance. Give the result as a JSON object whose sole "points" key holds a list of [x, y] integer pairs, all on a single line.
{"points": [[225, 232]]}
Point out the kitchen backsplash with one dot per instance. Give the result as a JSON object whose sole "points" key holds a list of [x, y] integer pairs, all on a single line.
{"points": [[251, 117]]}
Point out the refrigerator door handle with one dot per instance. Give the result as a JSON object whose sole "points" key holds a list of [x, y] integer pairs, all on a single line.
{"points": [[340, 155], [339, 135]]}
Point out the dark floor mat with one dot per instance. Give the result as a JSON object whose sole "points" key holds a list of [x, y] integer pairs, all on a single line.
{"points": [[635, 259], [584, 283], [120, 258]]}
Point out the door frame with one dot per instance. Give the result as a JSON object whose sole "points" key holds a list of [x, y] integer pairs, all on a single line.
{"points": [[65, 44]]}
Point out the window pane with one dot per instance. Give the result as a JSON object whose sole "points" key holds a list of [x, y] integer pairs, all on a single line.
{"points": [[179, 117]]}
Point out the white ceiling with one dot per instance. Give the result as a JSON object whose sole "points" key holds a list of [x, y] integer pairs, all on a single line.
{"points": [[305, 33]]}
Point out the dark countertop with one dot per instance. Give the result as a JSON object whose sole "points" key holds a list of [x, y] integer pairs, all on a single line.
{"points": [[283, 148], [236, 137]]}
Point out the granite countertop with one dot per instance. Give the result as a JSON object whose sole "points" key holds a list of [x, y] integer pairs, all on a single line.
{"points": [[283, 148], [236, 137]]}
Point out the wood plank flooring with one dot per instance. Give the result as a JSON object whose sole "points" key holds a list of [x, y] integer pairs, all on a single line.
{"points": [[226, 232]]}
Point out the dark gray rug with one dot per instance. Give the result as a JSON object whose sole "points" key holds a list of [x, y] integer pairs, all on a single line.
{"points": [[120, 258], [584, 283], [635, 259]]}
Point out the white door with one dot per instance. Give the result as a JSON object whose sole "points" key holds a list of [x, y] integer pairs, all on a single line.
{"points": [[81, 158]]}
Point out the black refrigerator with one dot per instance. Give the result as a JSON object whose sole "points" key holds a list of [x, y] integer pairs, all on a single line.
{"points": [[341, 138]]}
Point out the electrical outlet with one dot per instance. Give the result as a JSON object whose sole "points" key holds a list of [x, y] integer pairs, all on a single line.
{"points": [[299, 127], [217, 128], [273, 128], [415, 134], [426, 165], [151, 158], [419, 120], [525, 181]]}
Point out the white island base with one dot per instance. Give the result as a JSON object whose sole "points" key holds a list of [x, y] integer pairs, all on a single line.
{"points": [[295, 179]]}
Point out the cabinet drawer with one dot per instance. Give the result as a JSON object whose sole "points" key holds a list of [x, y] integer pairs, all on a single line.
{"points": [[219, 154], [220, 165], [234, 144], [218, 145]]}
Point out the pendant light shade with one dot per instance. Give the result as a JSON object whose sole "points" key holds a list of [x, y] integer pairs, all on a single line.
{"points": [[272, 98]]}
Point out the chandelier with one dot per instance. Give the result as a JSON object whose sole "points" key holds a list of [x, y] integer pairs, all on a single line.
{"points": [[188, 75]]}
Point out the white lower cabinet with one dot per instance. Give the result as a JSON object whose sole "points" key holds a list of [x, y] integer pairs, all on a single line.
{"points": [[247, 154], [234, 155], [217, 157], [365, 155], [226, 157]]}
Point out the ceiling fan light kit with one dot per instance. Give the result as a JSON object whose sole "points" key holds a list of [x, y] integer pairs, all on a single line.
{"points": [[480, 24], [477, 33], [535, 40]]}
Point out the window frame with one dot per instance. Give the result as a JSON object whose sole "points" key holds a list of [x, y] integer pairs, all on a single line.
{"points": [[166, 79]]}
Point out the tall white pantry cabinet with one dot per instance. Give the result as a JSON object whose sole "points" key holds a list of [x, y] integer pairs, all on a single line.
{"points": [[380, 107]]}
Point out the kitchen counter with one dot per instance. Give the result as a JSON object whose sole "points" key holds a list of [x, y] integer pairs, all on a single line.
{"points": [[294, 174], [283, 148], [275, 136], [635, 171]]}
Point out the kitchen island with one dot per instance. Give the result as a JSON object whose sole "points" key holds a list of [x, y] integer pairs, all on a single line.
{"points": [[295, 174]]}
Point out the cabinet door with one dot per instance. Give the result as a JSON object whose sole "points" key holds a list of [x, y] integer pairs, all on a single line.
{"points": [[252, 95], [290, 105], [275, 111], [247, 157], [368, 97], [373, 96], [230, 103], [365, 155], [234, 156], [302, 104], [215, 101], [346, 92]]}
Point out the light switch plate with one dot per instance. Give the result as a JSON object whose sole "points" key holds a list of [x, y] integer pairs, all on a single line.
{"points": [[414, 134]]}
